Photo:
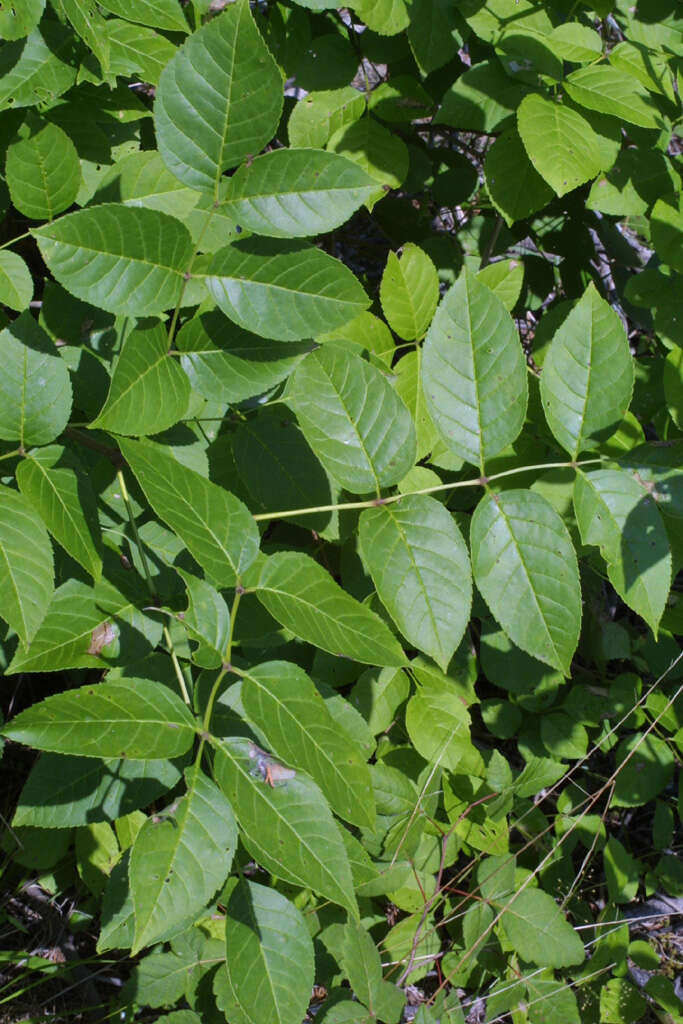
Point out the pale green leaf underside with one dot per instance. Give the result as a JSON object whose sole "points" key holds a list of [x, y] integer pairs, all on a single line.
{"points": [[26, 575], [474, 372], [148, 392], [128, 718], [283, 290], [587, 377], [292, 193], [419, 564], [178, 862], [560, 143], [59, 490], [288, 828], [353, 419], [269, 956], [216, 527], [283, 702], [123, 259], [302, 596], [219, 99], [618, 514], [525, 566]]}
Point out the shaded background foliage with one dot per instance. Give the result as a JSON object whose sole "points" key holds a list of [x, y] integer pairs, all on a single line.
{"points": [[340, 427]]}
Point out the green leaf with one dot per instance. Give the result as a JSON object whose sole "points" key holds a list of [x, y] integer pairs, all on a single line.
{"points": [[657, 468], [438, 724], [122, 259], [525, 567], [383, 155], [43, 172], [304, 598], [636, 181], [288, 827], [54, 482], [353, 419], [218, 101], [66, 633], [226, 364], [409, 388], [280, 471], [283, 290], [26, 573], [622, 872], [62, 791], [269, 957], [576, 43], [560, 143], [482, 99], [409, 292], [142, 179], [86, 20], [419, 564], [17, 20], [317, 116], [207, 620], [610, 91], [216, 527], [667, 232], [35, 390], [165, 14], [285, 705], [132, 718], [433, 33], [296, 192], [180, 858], [646, 765], [621, 1002], [387, 17], [474, 372], [137, 50], [38, 68], [538, 931], [504, 278], [16, 283], [148, 392], [616, 513], [587, 378], [516, 188]]}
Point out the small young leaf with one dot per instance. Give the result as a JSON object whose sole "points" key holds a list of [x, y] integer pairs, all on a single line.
{"points": [[409, 292], [419, 564], [16, 284], [216, 527], [525, 567], [319, 115], [353, 419], [133, 717]]}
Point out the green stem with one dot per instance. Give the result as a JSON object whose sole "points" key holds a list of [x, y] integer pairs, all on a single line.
{"points": [[6, 245], [480, 481], [188, 273]]}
